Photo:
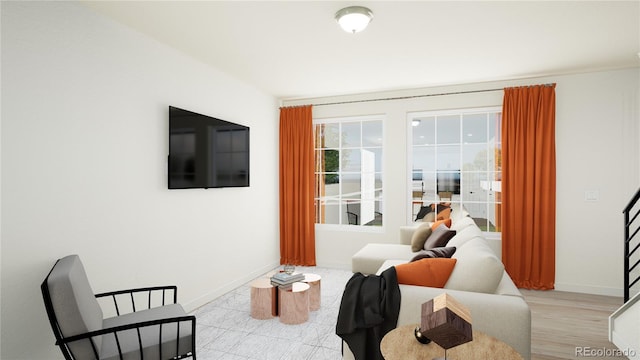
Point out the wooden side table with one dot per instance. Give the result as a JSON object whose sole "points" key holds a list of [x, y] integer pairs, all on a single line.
{"points": [[263, 299], [401, 344], [293, 304], [314, 290]]}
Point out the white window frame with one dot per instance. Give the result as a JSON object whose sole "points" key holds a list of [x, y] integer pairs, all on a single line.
{"points": [[346, 226], [410, 147]]}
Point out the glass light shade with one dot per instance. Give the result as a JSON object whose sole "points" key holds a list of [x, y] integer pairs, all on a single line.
{"points": [[354, 19]]}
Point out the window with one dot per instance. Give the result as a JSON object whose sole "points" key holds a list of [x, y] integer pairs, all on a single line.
{"points": [[348, 153], [456, 157]]}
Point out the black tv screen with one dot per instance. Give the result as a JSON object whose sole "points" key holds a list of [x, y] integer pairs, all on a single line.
{"points": [[449, 181], [206, 152]]}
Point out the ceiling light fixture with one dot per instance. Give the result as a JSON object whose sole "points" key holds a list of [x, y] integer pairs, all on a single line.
{"points": [[415, 122], [354, 19]]}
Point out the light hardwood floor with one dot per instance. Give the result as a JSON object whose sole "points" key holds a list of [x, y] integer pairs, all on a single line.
{"points": [[564, 321]]}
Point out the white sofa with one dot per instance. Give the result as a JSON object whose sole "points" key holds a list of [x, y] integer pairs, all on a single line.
{"points": [[478, 281]]}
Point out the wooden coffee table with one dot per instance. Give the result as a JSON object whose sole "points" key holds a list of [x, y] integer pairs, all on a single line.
{"points": [[401, 344]]}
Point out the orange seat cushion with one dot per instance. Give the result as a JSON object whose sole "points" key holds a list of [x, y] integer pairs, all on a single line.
{"points": [[431, 272]]}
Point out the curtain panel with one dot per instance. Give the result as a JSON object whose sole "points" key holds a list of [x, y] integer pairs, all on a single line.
{"points": [[297, 212], [529, 186]]}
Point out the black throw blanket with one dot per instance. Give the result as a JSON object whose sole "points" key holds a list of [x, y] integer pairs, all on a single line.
{"points": [[368, 311]]}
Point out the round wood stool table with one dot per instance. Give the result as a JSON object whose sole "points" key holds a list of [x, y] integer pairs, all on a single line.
{"points": [[263, 299], [401, 344], [293, 304], [314, 290]]}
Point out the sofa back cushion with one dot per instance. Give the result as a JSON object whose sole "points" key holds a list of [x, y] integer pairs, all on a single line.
{"points": [[75, 305], [478, 269], [466, 229]]}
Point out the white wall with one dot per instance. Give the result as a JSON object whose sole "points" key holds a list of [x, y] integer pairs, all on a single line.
{"points": [[597, 127], [84, 147]]}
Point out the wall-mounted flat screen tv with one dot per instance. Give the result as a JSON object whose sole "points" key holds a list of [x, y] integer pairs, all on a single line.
{"points": [[449, 181], [206, 152]]}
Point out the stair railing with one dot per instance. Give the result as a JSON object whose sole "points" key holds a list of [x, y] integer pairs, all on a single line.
{"points": [[631, 221]]}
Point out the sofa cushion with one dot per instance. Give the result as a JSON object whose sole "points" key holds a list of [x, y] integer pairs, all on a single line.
{"points": [[149, 336], [478, 268], [420, 236], [432, 272], [465, 231], [462, 223], [439, 252], [439, 237], [369, 259]]}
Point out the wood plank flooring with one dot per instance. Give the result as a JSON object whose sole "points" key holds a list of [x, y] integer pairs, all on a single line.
{"points": [[564, 321]]}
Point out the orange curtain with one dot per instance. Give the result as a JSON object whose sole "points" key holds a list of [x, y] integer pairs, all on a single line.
{"points": [[529, 186], [297, 212]]}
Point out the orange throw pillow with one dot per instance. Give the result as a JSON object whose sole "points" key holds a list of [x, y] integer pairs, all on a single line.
{"points": [[444, 214], [431, 272], [446, 222]]}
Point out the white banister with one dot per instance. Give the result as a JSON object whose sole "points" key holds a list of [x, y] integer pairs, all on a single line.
{"points": [[624, 328]]}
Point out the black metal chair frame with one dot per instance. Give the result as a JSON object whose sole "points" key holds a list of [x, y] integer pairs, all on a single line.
{"points": [[63, 341], [352, 218], [631, 244]]}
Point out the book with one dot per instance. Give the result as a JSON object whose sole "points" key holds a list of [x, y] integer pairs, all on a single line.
{"points": [[274, 281], [283, 287], [284, 278]]}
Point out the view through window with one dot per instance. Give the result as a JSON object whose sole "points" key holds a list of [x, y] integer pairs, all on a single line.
{"points": [[456, 157], [348, 177]]}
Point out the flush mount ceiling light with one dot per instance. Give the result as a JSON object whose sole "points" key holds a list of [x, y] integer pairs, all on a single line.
{"points": [[353, 19]]}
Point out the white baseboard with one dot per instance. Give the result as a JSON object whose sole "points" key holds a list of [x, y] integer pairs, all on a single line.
{"points": [[586, 289], [234, 284]]}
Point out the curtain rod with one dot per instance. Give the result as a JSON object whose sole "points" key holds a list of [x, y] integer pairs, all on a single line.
{"points": [[417, 96], [407, 97]]}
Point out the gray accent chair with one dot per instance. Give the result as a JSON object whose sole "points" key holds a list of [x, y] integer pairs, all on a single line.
{"points": [[149, 323]]}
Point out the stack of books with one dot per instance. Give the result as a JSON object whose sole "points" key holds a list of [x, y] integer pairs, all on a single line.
{"points": [[285, 281]]}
